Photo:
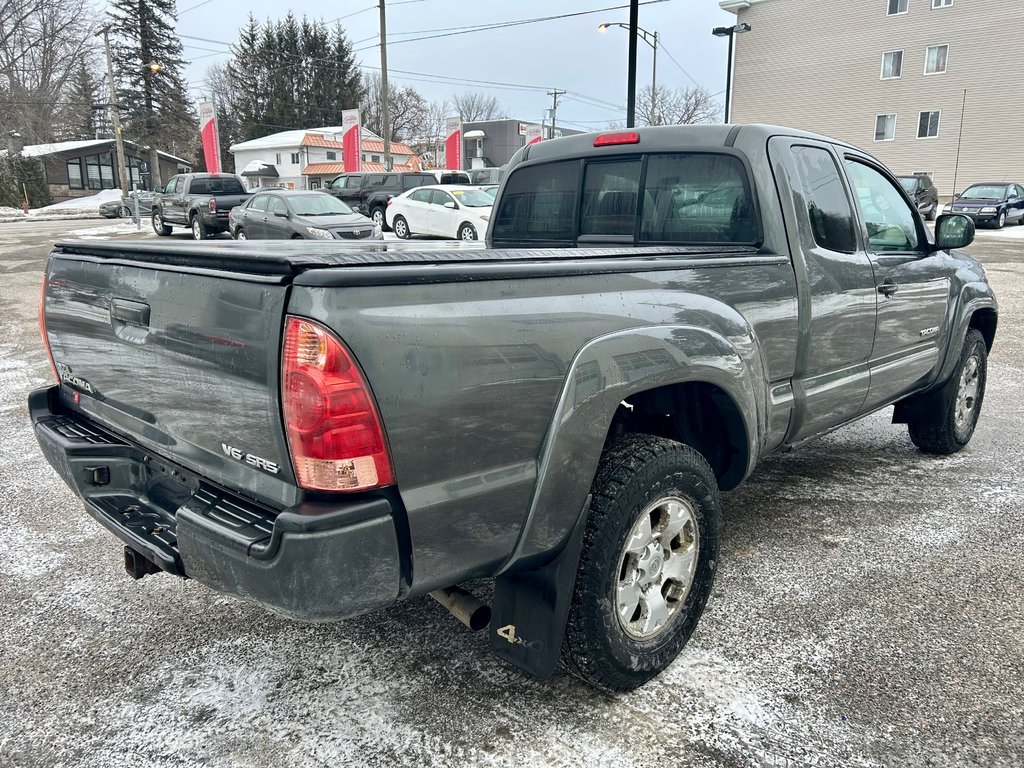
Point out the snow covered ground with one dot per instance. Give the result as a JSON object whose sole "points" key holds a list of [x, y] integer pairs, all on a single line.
{"points": [[80, 204]]}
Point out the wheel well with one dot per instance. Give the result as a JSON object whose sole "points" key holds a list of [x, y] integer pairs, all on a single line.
{"points": [[698, 414], [985, 321]]}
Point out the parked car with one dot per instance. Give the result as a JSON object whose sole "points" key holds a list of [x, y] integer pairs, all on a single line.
{"points": [[125, 207], [368, 193], [995, 203], [298, 215], [457, 212], [448, 176], [486, 175], [199, 201], [491, 189], [386, 421], [924, 194]]}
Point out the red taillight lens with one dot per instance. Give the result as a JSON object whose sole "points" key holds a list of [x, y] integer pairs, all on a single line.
{"points": [[213, 205], [609, 139], [334, 433], [42, 329]]}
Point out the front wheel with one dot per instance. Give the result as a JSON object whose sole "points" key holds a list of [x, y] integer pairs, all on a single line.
{"points": [[946, 420], [377, 216], [648, 563], [1001, 220], [240, 234], [158, 225], [401, 227], [932, 213], [467, 232]]}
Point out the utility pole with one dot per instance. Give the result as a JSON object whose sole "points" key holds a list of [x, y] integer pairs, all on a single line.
{"points": [[554, 109], [386, 118], [634, 13], [115, 118]]}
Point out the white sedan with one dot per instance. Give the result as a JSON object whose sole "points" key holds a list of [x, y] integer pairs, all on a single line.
{"points": [[451, 211]]}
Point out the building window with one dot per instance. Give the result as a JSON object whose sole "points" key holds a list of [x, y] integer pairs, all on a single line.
{"points": [[885, 127], [75, 174], [892, 65], [332, 155], [99, 171], [295, 158], [134, 172], [374, 158], [942, 3], [928, 125], [897, 6], [936, 59], [277, 159]]}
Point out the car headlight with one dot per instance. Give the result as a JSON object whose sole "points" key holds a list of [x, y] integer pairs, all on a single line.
{"points": [[320, 234], [947, 208], [988, 209]]}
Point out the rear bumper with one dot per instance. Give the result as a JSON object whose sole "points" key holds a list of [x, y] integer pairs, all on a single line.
{"points": [[316, 561]]}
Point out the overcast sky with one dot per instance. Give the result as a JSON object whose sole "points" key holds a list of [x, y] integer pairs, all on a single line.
{"points": [[568, 54]]}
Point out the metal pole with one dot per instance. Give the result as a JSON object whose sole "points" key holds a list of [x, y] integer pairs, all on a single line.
{"points": [[654, 83], [728, 78], [554, 110], [115, 118], [386, 118], [956, 168], [634, 13]]}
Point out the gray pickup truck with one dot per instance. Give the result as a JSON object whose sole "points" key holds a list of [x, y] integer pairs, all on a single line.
{"points": [[200, 202], [329, 429]]}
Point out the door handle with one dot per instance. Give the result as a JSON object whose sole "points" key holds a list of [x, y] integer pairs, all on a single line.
{"points": [[888, 288]]}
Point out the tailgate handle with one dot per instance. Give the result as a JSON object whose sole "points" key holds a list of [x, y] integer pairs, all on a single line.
{"points": [[130, 312]]}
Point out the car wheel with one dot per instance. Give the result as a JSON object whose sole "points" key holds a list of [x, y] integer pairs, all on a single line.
{"points": [[1001, 220], [467, 232], [944, 420], [377, 215], [932, 213], [648, 563], [402, 228], [240, 234], [158, 225], [198, 229]]}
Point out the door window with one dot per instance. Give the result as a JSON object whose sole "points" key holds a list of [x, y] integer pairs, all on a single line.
{"points": [[420, 196], [828, 207], [889, 220], [258, 203], [276, 205], [353, 182], [609, 198], [439, 197], [169, 189]]}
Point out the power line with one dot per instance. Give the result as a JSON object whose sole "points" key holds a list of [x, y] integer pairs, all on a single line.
{"points": [[683, 70]]}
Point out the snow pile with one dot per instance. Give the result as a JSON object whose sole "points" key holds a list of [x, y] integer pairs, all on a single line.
{"points": [[125, 227], [81, 204]]}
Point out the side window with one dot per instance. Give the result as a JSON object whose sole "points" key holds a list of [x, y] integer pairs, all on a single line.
{"points": [[697, 198], [539, 203], [420, 196], [169, 189], [259, 203], [375, 180], [200, 187], [828, 208], [439, 197], [354, 182], [890, 222], [609, 197], [276, 205]]}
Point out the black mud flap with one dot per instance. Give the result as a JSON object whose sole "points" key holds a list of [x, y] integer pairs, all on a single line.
{"points": [[530, 608]]}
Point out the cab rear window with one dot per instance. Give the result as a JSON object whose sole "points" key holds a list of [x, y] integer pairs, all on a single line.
{"points": [[665, 198]]}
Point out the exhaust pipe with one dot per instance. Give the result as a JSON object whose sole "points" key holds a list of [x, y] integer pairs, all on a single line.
{"points": [[463, 606]]}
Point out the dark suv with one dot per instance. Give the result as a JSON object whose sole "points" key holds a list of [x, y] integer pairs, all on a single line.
{"points": [[923, 192], [368, 193]]}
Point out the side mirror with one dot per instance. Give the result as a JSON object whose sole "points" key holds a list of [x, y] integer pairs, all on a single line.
{"points": [[953, 231], [452, 205], [281, 214]]}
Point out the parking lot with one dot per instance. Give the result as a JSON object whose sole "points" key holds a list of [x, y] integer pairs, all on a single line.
{"points": [[868, 611]]}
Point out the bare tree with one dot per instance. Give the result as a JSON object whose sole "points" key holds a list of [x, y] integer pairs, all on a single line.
{"points": [[43, 46], [474, 107], [429, 135], [407, 109], [676, 106]]}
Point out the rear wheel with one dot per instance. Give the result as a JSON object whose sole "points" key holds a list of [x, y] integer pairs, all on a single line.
{"points": [[649, 557], [946, 419], [158, 225], [467, 232], [401, 227], [198, 229]]}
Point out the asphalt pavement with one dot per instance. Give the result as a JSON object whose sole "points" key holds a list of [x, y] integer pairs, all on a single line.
{"points": [[868, 612]]}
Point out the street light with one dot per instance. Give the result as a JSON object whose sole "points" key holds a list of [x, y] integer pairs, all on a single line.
{"points": [[729, 32], [651, 38]]}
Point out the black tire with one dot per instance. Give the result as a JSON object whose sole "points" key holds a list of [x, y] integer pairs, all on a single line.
{"points": [[932, 213], [199, 231], [401, 227], [240, 234], [1000, 221], [934, 426], [467, 232], [635, 472], [158, 224], [377, 215]]}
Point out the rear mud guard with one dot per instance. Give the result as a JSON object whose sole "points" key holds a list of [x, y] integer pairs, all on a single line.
{"points": [[531, 608]]}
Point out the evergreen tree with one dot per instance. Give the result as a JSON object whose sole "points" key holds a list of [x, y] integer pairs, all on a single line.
{"points": [[78, 120], [148, 63]]}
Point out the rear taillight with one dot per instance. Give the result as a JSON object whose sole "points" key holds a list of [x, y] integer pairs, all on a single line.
{"points": [[334, 433], [42, 329], [213, 205]]}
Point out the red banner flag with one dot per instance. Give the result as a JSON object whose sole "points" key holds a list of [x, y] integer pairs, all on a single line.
{"points": [[453, 144], [210, 136], [351, 145]]}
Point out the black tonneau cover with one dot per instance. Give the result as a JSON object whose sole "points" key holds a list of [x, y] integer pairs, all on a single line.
{"points": [[290, 258]]}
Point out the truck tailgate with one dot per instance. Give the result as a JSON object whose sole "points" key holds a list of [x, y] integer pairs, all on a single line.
{"points": [[183, 361]]}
